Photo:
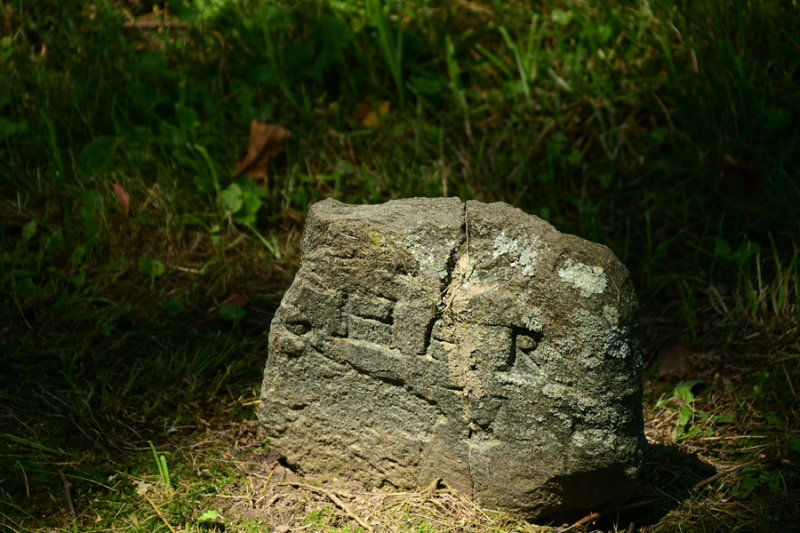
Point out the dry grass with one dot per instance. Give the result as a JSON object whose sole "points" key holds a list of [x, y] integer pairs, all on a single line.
{"points": [[693, 484], [670, 139]]}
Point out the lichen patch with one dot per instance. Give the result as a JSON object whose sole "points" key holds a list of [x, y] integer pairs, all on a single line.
{"points": [[534, 319], [523, 252], [590, 280]]}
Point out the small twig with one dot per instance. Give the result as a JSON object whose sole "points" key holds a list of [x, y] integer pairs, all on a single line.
{"points": [[263, 490], [432, 487], [789, 381], [158, 512], [188, 269], [724, 473], [272, 500], [335, 499], [586, 519], [269, 477], [154, 24], [69, 495], [734, 437], [22, 314], [25, 477], [594, 516]]}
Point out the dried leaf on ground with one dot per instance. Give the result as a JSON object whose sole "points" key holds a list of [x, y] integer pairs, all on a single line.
{"points": [[234, 297], [154, 20], [266, 141], [123, 197], [370, 115]]}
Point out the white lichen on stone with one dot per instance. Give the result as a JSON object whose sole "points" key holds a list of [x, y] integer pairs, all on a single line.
{"points": [[534, 320], [614, 338], [523, 252], [611, 314], [429, 260], [593, 441], [590, 280]]}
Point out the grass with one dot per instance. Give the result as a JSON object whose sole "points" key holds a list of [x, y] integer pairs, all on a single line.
{"points": [[665, 130]]}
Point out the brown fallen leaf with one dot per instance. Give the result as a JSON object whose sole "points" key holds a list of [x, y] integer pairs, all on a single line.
{"points": [[123, 197], [220, 38], [154, 20], [266, 141], [234, 297], [369, 115]]}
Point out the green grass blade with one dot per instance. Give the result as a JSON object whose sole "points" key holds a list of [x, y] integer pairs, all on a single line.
{"points": [[391, 46], [31, 444], [164, 470]]}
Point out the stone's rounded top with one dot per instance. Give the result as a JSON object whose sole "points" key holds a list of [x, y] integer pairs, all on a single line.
{"points": [[413, 235], [407, 213], [433, 338], [331, 204]]}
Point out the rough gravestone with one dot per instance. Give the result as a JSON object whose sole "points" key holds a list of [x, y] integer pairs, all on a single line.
{"points": [[432, 338]]}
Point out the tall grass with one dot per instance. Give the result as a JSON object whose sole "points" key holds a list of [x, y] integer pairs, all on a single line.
{"points": [[663, 129]]}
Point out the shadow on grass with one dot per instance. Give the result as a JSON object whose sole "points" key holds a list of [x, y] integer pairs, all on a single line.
{"points": [[672, 475], [82, 393], [669, 480]]}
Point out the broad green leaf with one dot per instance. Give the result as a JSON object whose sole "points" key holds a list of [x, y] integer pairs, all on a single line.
{"points": [[248, 199], [747, 485], [560, 16], [208, 516], [795, 441], [774, 419], [97, 154], [684, 391], [231, 198], [79, 279], [152, 267], [29, 230], [231, 312], [727, 418], [659, 134], [173, 306], [684, 417], [605, 179], [604, 32], [9, 128]]}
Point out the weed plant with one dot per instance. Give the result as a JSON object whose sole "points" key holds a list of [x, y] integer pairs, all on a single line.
{"points": [[666, 130]]}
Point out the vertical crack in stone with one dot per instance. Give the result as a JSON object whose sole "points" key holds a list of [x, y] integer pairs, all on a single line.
{"points": [[450, 264], [449, 286], [446, 284]]}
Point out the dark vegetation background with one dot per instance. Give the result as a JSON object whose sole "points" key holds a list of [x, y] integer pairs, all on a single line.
{"points": [[666, 130]]}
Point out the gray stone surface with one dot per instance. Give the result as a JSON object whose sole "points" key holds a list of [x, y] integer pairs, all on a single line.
{"points": [[429, 338]]}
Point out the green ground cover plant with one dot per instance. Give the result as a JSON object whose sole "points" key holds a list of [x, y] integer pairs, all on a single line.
{"points": [[139, 270]]}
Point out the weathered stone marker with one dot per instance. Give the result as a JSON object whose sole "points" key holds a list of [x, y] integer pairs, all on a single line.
{"points": [[429, 338]]}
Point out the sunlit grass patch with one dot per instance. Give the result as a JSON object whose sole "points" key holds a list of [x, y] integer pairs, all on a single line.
{"points": [[737, 425], [138, 272]]}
